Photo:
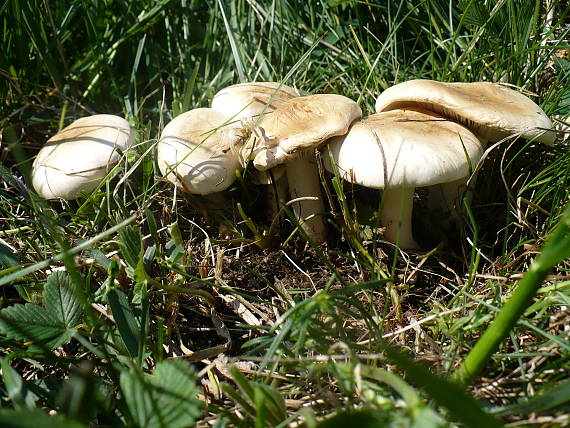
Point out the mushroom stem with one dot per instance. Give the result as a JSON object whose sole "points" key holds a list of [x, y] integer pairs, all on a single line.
{"points": [[304, 181], [447, 197], [396, 216], [276, 198]]}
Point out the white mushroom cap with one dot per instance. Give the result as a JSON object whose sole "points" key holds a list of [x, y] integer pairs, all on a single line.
{"points": [[418, 148], [193, 152], [246, 100], [490, 110], [298, 125], [77, 158]]}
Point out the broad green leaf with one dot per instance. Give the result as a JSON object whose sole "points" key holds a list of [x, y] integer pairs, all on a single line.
{"points": [[125, 319], [164, 399], [53, 324], [61, 301], [29, 322], [34, 419]]}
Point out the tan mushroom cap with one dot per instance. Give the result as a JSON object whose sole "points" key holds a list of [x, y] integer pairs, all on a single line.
{"points": [[193, 154], [408, 148], [298, 125], [490, 110], [78, 157], [251, 99]]}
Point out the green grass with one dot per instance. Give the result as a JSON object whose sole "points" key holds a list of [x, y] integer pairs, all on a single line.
{"points": [[166, 311]]}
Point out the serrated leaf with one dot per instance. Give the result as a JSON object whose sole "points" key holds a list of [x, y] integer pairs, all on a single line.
{"points": [[52, 325], [125, 319], [34, 419], [29, 322], [61, 301], [133, 252], [166, 398], [131, 245]]}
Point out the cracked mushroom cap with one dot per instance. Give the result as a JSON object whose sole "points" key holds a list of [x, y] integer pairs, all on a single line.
{"points": [[298, 125], [77, 158], [251, 99], [192, 152], [490, 110], [406, 148]]}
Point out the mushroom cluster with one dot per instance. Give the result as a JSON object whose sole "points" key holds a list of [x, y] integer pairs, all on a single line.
{"points": [[424, 133]]}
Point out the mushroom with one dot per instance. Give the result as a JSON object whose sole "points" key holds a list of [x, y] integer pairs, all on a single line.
{"points": [[400, 150], [491, 111], [246, 100], [193, 152], [78, 158], [290, 136]]}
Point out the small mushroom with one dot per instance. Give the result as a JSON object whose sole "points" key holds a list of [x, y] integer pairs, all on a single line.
{"points": [[246, 100], [290, 136], [193, 152], [400, 150], [78, 158]]}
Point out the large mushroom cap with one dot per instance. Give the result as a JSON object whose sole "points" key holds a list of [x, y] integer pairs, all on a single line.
{"points": [[490, 110], [251, 99], [193, 153], [299, 124], [405, 147], [78, 157]]}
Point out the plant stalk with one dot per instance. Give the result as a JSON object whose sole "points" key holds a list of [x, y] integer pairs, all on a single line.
{"points": [[556, 249]]}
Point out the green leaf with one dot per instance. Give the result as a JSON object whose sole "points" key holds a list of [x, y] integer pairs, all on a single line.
{"points": [[55, 324], [7, 257], [28, 322], [125, 319], [166, 398], [15, 386], [133, 253], [131, 245], [444, 392], [358, 418], [544, 401], [61, 300], [34, 419], [260, 401]]}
